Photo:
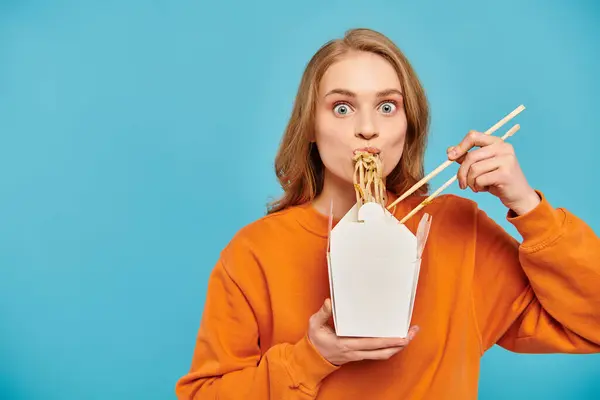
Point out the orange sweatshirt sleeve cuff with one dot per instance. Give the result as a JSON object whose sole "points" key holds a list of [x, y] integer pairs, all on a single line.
{"points": [[307, 366], [539, 226]]}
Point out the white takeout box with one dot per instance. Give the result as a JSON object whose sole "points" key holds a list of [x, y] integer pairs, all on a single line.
{"points": [[374, 264]]}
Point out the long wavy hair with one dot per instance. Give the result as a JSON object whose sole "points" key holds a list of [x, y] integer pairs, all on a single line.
{"points": [[298, 166]]}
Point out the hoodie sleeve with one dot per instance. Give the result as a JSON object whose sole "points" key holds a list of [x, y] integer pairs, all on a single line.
{"points": [[541, 295], [228, 362]]}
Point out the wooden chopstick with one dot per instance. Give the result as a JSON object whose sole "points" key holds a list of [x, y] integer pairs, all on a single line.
{"points": [[446, 163], [428, 200]]}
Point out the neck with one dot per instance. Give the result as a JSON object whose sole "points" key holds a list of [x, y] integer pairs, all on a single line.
{"points": [[341, 192]]}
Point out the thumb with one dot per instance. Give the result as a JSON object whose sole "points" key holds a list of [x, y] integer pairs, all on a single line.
{"points": [[324, 313], [452, 157]]}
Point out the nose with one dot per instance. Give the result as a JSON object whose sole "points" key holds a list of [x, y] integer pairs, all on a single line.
{"points": [[366, 135], [365, 128]]}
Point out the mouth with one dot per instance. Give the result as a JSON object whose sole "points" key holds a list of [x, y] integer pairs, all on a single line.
{"points": [[370, 150]]}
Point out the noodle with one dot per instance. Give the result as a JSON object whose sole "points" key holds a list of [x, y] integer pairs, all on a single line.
{"points": [[368, 178]]}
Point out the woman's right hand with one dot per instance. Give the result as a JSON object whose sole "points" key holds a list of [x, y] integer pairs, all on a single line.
{"points": [[340, 350]]}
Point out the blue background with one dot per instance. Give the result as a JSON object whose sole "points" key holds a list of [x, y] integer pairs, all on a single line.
{"points": [[136, 137]]}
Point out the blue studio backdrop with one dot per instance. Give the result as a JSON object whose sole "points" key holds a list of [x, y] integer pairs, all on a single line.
{"points": [[136, 137]]}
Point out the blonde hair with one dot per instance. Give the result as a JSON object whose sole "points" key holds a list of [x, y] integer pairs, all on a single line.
{"points": [[298, 165]]}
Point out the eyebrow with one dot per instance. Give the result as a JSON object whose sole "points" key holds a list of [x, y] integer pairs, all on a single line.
{"points": [[346, 92]]}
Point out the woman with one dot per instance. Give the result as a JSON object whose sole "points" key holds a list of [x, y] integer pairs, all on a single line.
{"points": [[266, 331]]}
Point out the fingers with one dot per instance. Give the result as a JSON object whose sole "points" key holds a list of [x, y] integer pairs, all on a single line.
{"points": [[489, 178], [367, 344], [479, 176], [321, 317], [379, 348], [480, 168], [459, 159], [472, 139], [373, 343], [338, 350], [472, 158], [473, 165], [412, 332], [382, 354]]}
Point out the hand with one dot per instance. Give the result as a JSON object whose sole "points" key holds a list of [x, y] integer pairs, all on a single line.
{"points": [[493, 168], [338, 350]]}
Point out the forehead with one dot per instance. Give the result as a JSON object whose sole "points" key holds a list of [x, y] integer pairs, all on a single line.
{"points": [[360, 72]]}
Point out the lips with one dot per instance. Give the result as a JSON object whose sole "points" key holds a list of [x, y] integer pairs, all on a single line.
{"points": [[372, 150]]}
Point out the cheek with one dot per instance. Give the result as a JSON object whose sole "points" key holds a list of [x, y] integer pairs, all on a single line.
{"points": [[331, 133], [335, 145], [393, 155], [395, 134]]}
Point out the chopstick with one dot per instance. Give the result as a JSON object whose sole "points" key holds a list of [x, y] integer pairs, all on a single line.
{"points": [[446, 163], [428, 200]]}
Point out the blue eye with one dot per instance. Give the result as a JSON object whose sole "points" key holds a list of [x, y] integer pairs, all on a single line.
{"points": [[342, 109], [388, 107]]}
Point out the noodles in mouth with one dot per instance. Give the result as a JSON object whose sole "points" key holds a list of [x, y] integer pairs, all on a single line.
{"points": [[368, 178]]}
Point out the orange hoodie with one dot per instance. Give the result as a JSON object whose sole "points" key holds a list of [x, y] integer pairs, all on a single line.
{"points": [[477, 287]]}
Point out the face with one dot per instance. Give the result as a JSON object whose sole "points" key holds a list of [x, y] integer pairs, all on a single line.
{"points": [[360, 105]]}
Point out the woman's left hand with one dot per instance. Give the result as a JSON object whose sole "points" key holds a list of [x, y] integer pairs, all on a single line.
{"points": [[493, 168]]}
